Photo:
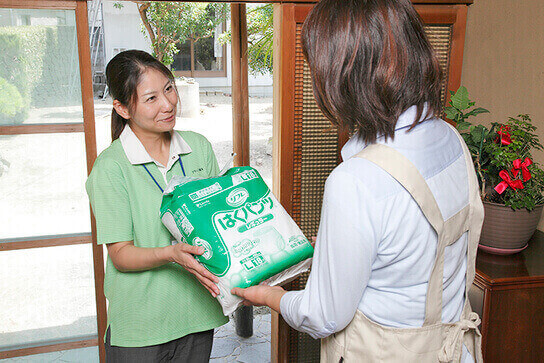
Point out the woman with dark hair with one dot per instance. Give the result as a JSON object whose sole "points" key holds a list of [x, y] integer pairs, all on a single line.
{"points": [[161, 300], [401, 215]]}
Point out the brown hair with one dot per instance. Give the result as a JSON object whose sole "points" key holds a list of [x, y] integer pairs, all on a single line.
{"points": [[370, 61], [123, 73]]}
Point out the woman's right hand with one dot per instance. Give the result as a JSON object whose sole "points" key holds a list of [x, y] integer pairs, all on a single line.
{"points": [[182, 254]]}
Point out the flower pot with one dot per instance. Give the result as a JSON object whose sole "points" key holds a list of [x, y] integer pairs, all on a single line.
{"points": [[507, 231]]}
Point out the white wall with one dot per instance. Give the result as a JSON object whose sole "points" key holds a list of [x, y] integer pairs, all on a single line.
{"points": [[122, 28], [503, 66]]}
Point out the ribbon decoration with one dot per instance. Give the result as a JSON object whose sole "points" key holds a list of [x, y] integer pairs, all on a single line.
{"points": [[507, 181], [523, 166], [504, 135]]}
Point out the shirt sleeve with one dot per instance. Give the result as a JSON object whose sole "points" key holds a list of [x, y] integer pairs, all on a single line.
{"points": [[110, 203], [344, 252]]}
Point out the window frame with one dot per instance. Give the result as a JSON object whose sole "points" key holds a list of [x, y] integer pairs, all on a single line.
{"points": [[88, 128]]}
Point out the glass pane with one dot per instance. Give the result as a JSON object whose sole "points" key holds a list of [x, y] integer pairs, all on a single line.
{"points": [[207, 113], [39, 67], [42, 180], [46, 295]]}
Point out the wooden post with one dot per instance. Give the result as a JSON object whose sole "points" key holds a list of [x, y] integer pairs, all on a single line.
{"points": [[240, 98], [90, 146]]}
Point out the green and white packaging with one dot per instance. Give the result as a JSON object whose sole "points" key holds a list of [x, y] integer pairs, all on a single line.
{"points": [[247, 235]]}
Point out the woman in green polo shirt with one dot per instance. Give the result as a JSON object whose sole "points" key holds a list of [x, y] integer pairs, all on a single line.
{"points": [[162, 304]]}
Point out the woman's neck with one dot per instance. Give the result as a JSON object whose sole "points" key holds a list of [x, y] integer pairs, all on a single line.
{"points": [[157, 145]]}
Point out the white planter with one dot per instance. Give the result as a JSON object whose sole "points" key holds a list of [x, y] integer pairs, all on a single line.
{"points": [[189, 98]]}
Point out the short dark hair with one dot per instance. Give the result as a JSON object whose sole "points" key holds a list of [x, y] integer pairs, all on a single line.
{"points": [[123, 73], [370, 61]]}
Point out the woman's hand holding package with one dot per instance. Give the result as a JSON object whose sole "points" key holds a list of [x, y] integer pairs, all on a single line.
{"points": [[182, 254], [127, 257], [261, 295]]}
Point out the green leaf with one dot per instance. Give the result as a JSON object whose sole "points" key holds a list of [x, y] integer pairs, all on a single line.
{"points": [[460, 99], [476, 111], [477, 134], [463, 125], [451, 112]]}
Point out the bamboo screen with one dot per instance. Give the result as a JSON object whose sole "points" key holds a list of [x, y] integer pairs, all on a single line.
{"points": [[440, 38], [316, 146], [315, 156]]}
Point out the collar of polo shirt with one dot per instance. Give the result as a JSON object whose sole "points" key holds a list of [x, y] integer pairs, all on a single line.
{"points": [[137, 154]]}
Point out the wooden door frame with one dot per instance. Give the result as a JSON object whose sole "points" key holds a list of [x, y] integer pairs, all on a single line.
{"points": [[240, 91], [449, 14]]}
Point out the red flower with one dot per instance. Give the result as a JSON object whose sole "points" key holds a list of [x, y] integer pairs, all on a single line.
{"points": [[504, 135]]}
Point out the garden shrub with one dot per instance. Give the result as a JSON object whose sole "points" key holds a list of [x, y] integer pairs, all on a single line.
{"points": [[42, 63], [59, 83], [12, 106]]}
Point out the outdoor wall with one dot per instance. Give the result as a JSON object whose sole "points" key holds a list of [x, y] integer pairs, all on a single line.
{"points": [[122, 28], [503, 63]]}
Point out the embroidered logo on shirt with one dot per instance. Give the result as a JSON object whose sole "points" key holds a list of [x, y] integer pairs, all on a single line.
{"points": [[197, 170]]}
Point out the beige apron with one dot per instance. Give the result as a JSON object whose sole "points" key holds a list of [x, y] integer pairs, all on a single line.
{"points": [[366, 341]]}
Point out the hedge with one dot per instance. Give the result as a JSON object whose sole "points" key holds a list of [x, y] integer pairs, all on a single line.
{"points": [[12, 106], [42, 62]]}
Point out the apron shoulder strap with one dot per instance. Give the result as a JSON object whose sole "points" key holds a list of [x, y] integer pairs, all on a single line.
{"points": [[475, 219], [405, 172], [469, 219]]}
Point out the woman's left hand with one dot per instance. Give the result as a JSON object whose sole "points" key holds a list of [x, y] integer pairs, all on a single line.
{"points": [[261, 295]]}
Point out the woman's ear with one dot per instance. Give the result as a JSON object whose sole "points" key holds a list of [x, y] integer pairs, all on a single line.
{"points": [[121, 109]]}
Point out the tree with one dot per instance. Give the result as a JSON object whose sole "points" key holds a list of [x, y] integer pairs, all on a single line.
{"points": [[169, 24], [260, 32]]}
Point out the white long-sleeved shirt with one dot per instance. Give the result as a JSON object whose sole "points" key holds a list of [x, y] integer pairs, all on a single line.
{"points": [[375, 249]]}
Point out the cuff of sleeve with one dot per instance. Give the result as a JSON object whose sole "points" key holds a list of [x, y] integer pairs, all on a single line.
{"points": [[290, 306]]}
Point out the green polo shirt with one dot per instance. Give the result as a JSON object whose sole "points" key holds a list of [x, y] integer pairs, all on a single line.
{"points": [[165, 303]]}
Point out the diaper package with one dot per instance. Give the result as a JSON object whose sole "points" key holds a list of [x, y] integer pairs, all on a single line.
{"points": [[247, 235]]}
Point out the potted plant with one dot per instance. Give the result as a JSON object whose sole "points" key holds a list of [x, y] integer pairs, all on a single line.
{"points": [[511, 183]]}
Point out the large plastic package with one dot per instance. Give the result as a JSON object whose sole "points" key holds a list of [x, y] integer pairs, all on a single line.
{"points": [[247, 235]]}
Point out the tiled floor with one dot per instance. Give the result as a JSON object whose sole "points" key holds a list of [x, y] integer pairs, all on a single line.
{"points": [[227, 347]]}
